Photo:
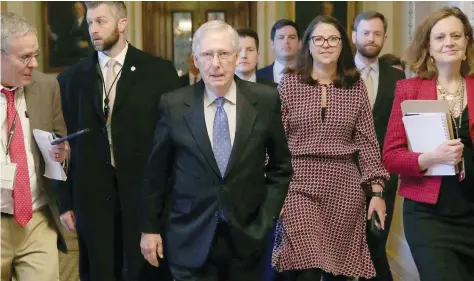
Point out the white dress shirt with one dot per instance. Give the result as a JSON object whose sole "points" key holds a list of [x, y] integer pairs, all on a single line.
{"points": [[374, 73], [252, 78], [79, 21], [278, 69], [103, 59], [230, 108], [37, 197]]}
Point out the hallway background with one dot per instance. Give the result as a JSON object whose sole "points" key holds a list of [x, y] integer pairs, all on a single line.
{"points": [[149, 24]]}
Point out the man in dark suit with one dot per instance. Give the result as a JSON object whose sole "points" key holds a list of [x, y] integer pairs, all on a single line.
{"points": [[285, 44], [210, 147], [115, 94], [193, 76], [248, 57], [380, 79]]}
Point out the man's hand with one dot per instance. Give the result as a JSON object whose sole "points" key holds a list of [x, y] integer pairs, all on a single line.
{"points": [[59, 152], [152, 248], [68, 220]]}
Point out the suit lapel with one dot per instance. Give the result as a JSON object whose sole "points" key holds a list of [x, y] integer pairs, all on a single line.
{"points": [[246, 115], [427, 90], [32, 104], [33, 107], [92, 85], [197, 124], [128, 77]]}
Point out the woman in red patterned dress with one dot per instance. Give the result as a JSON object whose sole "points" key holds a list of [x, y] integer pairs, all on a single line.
{"points": [[336, 158]]}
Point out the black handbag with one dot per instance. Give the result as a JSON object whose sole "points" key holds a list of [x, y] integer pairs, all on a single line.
{"points": [[374, 220]]}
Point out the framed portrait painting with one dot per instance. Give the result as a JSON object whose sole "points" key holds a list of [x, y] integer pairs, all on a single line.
{"points": [[66, 34], [215, 15]]}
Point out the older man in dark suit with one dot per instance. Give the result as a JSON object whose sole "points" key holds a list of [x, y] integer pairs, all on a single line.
{"points": [[209, 158], [114, 93]]}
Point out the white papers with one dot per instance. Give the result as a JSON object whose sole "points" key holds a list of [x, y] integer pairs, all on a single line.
{"points": [[425, 132], [53, 170]]}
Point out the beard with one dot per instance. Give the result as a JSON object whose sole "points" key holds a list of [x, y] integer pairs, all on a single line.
{"points": [[109, 42], [369, 54]]}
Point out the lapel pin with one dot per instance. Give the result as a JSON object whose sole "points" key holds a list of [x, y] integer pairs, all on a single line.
{"points": [[132, 68]]}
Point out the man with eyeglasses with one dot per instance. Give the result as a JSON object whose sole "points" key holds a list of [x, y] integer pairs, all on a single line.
{"points": [[380, 79], [209, 158], [31, 231]]}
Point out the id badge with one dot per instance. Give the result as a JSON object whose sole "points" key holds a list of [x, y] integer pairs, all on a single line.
{"points": [[7, 176]]}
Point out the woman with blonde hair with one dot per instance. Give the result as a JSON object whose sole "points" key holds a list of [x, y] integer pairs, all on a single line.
{"points": [[438, 211]]}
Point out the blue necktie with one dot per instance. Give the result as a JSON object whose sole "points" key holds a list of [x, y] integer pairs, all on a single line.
{"points": [[221, 137]]}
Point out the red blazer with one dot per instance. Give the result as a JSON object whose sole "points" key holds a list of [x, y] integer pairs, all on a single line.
{"points": [[397, 158]]}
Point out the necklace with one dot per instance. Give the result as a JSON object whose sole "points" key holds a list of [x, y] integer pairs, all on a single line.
{"points": [[455, 99]]}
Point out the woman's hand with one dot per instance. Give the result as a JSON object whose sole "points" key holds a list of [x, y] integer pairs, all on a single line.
{"points": [[449, 152], [377, 204]]}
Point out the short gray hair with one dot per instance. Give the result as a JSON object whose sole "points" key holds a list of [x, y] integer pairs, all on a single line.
{"points": [[120, 10], [14, 25], [215, 25]]}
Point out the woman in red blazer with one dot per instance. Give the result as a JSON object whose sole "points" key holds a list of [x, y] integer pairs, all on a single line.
{"points": [[438, 211]]}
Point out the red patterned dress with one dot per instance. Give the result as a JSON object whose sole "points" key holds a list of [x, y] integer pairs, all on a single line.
{"points": [[324, 219]]}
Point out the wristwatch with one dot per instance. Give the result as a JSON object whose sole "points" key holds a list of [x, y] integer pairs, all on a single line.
{"points": [[378, 194]]}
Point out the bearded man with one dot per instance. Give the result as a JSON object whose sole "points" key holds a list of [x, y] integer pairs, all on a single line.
{"points": [[380, 78], [115, 94]]}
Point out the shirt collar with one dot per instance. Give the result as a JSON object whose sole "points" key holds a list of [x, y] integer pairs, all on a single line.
{"points": [[230, 96], [278, 67], [8, 89], [252, 78], [120, 58], [360, 65]]}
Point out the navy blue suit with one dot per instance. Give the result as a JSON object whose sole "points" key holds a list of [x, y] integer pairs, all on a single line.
{"points": [[183, 172], [266, 73]]}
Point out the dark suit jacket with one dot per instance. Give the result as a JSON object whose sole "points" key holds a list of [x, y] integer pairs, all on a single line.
{"points": [[266, 73], [95, 186], [43, 104], [269, 83], [184, 80], [250, 194], [388, 78]]}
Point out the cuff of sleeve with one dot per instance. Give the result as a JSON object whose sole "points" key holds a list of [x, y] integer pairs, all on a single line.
{"points": [[411, 164]]}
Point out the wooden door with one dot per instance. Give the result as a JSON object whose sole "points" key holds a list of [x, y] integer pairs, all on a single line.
{"points": [[168, 27]]}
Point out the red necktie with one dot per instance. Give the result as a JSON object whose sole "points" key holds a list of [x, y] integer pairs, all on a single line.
{"points": [[21, 188]]}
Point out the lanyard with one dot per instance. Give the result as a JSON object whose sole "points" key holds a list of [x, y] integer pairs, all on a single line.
{"points": [[10, 136], [107, 93]]}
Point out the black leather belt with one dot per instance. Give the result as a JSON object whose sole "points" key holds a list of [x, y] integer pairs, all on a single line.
{"points": [[7, 215]]}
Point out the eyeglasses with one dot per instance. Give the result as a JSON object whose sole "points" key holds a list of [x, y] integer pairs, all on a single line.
{"points": [[333, 41], [222, 56], [25, 59]]}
